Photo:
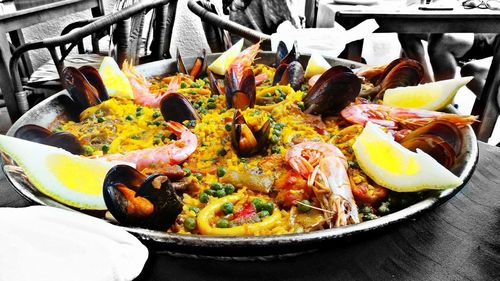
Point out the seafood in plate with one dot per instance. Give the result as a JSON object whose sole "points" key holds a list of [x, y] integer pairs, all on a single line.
{"points": [[257, 151]]}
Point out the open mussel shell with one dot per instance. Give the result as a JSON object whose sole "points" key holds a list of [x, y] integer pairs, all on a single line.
{"points": [[334, 90], [214, 84], [281, 52], [240, 94], [94, 78], [136, 200], [42, 135], [435, 146], [246, 141], [198, 66], [83, 93], [293, 75], [448, 131], [292, 56], [175, 107], [401, 72]]}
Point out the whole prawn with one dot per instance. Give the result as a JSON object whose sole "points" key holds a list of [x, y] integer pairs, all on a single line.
{"points": [[244, 60], [140, 87], [394, 117], [173, 153], [325, 168]]}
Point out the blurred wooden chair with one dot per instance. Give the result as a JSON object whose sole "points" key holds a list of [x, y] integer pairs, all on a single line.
{"points": [[487, 105], [215, 27], [125, 27]]}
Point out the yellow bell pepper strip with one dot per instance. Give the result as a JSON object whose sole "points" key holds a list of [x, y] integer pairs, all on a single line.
{"points": [[214, 205]]}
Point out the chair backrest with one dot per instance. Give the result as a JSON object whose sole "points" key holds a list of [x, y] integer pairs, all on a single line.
{"points": [[204, 10], [16, 100], [487, 105]]}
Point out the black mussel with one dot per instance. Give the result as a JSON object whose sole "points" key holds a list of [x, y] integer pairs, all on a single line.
{"points": [[240, 94], [281, 52], [83, 93], [433, 145], [446, 130], [292, 56], [214, 84], [175, 107], [245, 140], [198, 66], [401, 72], [440, 139], [42, 135], [94, 78], [334, 90], [293, 75], [136, 200]]}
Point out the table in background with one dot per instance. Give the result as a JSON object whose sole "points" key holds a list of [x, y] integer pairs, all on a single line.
{"points": [[18, 14], [459, 240]]}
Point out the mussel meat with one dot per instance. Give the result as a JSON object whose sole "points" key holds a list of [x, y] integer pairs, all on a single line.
{"points": [[198, 66], [442, 140], [136, 200], [175, 107], [334, 90], [84, 86], [245, 140], [64, 140]]}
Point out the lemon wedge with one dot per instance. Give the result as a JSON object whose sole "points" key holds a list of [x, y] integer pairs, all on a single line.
{"points": [[70, 179], [221, 64], [316, 65], [391, 165], [115, 81], [430, 96]]}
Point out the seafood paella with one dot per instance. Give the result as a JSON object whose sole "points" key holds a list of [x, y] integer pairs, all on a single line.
{"points": [[240, 148]]}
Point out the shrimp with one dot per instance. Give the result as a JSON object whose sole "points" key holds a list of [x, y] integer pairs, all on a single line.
{"points": [[140, 87], [392, 117], [325, 168], [173, 153], [244, 60]]}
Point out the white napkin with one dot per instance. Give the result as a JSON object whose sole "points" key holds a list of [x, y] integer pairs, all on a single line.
{"points": [[46, 243], [326, 41]]}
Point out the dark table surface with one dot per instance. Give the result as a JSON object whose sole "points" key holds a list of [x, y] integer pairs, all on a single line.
{"points": [[458, 240]]}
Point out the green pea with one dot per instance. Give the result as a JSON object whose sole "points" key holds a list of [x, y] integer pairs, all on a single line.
{"points": [[222, 223], [105, 148], [369, 217], [205, 79], [353, 164], [384, 208], [195, 85], [196, 210], [100, 119], [365, 210], [276, 132], [221, 171], [190, 223], [203, 197], [156, 114], [191, 123], [257, 203], [183, 85], [268, 95], [279, 99], [211, 99], [301, 105], [305, 206], [216, 186], [221, 152], [220, 193], [267, 206], [196, 106], [88, 149], [198, 176], [275, 139], [210, 192], [187, 171], [135, 137], [263, 214], [275, 149], [129, 117], [227, 208], [228, 126], [229, 188], [156, 141], [211, 105]]}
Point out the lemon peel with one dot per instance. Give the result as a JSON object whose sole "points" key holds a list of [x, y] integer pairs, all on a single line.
{"points": [[115, 81], [221, 64], [70, 179], [430, 96], [393, 166], [317, 65]]}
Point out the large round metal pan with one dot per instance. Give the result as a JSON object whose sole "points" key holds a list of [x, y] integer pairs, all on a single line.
{"points": [[239, 247]]}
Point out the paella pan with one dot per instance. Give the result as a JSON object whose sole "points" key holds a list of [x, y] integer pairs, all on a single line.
{"points": [[258, 159]]}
